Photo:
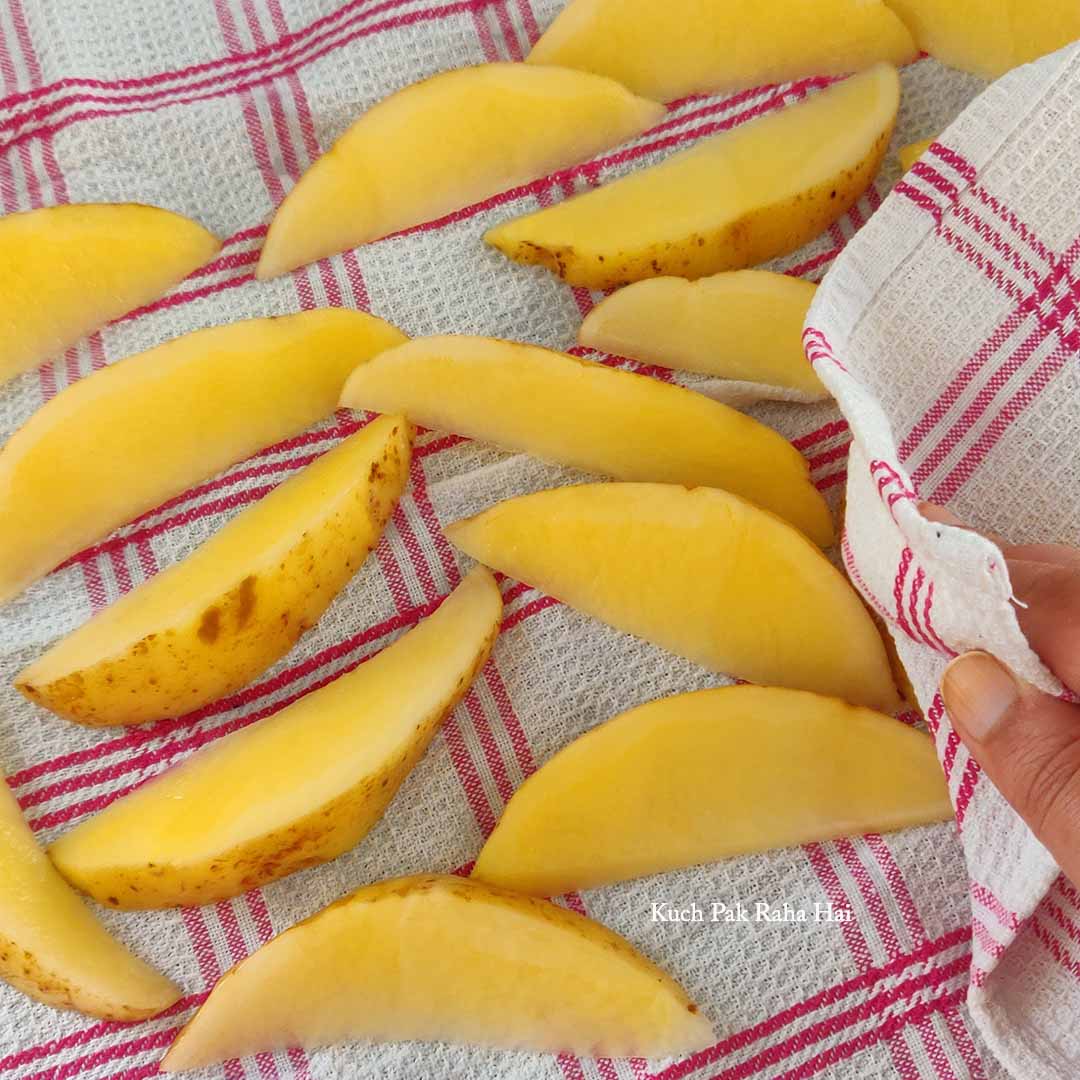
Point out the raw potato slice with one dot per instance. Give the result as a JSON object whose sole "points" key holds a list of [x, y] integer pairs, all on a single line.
{"points": [[67, 270], [989, 37], [702, 776], [912, 152], [702, 573], [444, 143], [51, 946], [555, 406], [745, 324], [682, 47], [295, 789], [213, 622], [444, 959], [130, 436], [734, 200]]}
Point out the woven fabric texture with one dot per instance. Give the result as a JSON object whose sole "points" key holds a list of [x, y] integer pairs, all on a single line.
{"points": [[214, 109]]}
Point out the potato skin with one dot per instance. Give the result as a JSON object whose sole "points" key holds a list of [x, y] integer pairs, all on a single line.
{"points": [[22, 969], [164, 420], [328, 831], [529, 993], [766, 233], [254, 624], [479, 129], [52, 947]]}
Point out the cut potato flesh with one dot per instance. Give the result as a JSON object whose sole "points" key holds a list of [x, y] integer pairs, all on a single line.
{"points": [[555, 406], [215, 621], [912, 152], [443, 144], [682, 47], [293, 790], [699, 777], [734, 200], [128, 437], [51, 946], [989, 37], [444, 959], [700, 572], [745, 324], [68, 270]]}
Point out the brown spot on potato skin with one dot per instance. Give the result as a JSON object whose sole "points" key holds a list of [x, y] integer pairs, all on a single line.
{"points": [[210, 625], [245, 601], [21, 968]]}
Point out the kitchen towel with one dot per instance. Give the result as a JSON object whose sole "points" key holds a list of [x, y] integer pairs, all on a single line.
{"points": [[948, 334]]}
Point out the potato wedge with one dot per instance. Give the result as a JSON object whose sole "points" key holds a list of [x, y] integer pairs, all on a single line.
{"points": [[213, 622], [989, 37], [734, 200], [555, 406], [67, 270], [699, 777], [51, 946], [700, 572], [295, 789], [128, 437], [444, 143], [745, 324], [911, 153], [682, 47], [444, 959]]}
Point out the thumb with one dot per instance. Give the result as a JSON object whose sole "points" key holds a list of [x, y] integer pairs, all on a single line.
{"points": [[1027, 742]]}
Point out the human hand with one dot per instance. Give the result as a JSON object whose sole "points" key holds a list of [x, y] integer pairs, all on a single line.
{"points": [[1026, 741]]}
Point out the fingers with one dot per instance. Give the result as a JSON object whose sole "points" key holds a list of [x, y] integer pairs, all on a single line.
{"points": [[1052, 554], [939, 515], [1050, 617], [1059, 554], [1027, 742], [1046, 580]]}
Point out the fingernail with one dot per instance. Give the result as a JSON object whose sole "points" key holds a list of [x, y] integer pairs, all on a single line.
{"points": [[978, 692]]}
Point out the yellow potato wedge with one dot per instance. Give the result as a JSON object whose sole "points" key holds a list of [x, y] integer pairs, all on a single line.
{"points": [[444, 959], [295, 789], [699, 777], [130, 436], [445, 143], [669, 50], [67, 270], [989, 37], [745, 325], [555, 406], [734, 200], [51, 946], [213, 622], [700, 572], [911, 153]]}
